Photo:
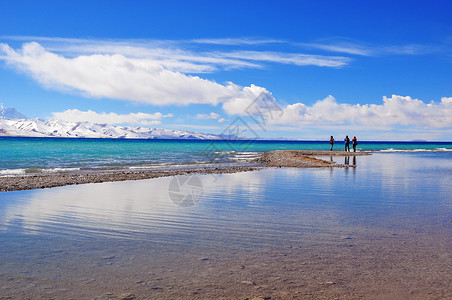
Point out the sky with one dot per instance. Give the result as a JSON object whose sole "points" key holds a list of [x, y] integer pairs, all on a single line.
{"points": [[305, 70]]}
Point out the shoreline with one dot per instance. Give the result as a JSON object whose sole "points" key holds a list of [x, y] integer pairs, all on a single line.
{"points": [[305, 158], [277, 158]]}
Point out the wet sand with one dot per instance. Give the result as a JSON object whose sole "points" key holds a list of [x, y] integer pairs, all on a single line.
{"points": [[371, 265], [280, 158]]}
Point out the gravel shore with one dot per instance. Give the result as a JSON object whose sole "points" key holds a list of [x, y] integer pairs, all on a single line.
{"points": [[279, 158], [304, 158]]}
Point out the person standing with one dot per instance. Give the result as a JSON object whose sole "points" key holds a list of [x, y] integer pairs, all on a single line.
{"points": [[331, 143], [347, 143], [355, 143]]}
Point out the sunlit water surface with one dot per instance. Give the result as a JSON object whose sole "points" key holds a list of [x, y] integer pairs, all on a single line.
{"points": [[390, 191], [268, 209]]}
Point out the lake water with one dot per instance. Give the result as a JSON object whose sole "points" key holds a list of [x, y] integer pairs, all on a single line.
{"points": [[36, 155], [393, 208]]}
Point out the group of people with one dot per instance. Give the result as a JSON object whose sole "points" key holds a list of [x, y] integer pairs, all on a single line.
{"points": [[347, 143]]}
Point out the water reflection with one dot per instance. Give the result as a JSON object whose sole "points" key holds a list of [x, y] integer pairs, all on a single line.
{"points": [[122, 209], [347, 160], [250, 207]]}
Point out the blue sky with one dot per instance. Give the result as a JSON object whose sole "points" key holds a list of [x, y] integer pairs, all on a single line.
{"points": [[380, 70]]}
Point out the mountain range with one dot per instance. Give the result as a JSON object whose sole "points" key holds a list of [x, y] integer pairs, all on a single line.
{"points": [[13, 123]]}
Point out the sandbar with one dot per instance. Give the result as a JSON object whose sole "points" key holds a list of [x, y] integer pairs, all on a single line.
{"points": [[278, 158]]}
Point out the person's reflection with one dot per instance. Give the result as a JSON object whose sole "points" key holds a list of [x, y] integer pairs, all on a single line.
{"points": [[346, 163], [331, 158], [354, 160]]}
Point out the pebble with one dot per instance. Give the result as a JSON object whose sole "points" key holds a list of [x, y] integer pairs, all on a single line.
{"points": [[248, 282], [274, 278], [127, 296]]}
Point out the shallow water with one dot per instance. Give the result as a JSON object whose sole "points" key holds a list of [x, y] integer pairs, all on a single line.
{"points": [[51, 232], [19, 155], [382, 187]]}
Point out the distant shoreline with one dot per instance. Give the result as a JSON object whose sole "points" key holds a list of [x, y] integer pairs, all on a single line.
{"points": [[226, 140], [278, 158]]}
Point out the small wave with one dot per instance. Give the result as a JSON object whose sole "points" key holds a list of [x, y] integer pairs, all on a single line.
{"points": [[56, 170], [416, 150], [12, 172], [247, 153], [224, 152], [392, 150], [33, 170], [443, 149], [150, 166], [243, 156]]}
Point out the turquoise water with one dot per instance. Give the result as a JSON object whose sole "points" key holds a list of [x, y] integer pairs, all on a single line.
{"points": [[28, 155]]}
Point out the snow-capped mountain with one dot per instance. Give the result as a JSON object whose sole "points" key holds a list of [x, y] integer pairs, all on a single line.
{"points": [[58, 128], [11, 113]]}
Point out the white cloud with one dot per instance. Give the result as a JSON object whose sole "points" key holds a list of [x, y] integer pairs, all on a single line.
{"points": [[168, 54], [357, 48], [198, 127], [174, 56], [118, 77], [212, 116], [75, 115], [148, 71], [150, 123], [290, 58], [236, 41], [344, 47], [395, 111], [239, 105]]}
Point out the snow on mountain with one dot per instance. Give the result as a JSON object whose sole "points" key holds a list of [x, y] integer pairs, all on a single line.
{"points": [[11, 113], [57, 128]]}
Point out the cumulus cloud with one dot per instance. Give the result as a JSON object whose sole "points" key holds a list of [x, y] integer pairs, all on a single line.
{"points": [[75, 115], [119, 77], [212, 116], [396, 110], [240, 105]]}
